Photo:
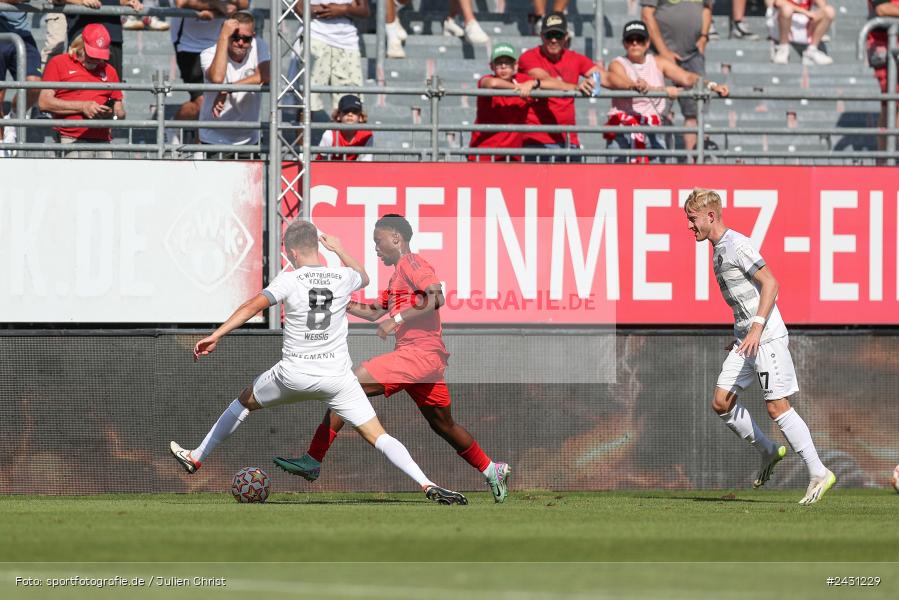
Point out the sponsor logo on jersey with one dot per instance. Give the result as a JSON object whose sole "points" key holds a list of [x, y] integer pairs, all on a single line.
{"points": [[317, 336]]}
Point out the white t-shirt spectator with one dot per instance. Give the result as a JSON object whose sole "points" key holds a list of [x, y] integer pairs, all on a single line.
{"points": [[194, 35], [340, 33], [240, 106]]}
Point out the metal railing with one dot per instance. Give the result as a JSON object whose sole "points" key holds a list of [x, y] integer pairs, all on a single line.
{"points": [[891, 24]]}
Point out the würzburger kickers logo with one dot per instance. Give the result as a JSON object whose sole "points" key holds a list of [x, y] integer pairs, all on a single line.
{"points": [[208, 242]]}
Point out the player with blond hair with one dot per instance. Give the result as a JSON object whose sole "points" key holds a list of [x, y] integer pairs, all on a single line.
{"points": [[761, 349]]}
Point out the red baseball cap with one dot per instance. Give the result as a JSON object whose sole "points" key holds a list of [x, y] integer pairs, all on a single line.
{"points": [[96, 41]]}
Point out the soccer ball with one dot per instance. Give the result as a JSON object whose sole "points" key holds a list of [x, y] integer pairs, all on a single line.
{"points": [[896, 478], [251, 484]]}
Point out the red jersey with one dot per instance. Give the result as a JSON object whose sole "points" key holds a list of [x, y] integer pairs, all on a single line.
{"points": [[411, 276], [553, 111], [345, 139], [878, 37], [66, 69], [500, 110]]}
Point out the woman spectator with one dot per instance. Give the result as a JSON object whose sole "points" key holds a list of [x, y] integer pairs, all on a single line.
{"points": [[645, 72], [85, 62]]}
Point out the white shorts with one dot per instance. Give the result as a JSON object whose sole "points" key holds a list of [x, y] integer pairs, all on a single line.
{"points": [[283, 385], [800, 27], [772, 368]]}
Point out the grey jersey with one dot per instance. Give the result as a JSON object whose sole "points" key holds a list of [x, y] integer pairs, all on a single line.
{"points": [[735, 262]]}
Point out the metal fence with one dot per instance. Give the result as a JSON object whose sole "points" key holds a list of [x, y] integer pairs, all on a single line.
{"points": [[280, 137]]}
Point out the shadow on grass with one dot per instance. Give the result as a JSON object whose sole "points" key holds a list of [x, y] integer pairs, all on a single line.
{"points": [[353, 501], [725, 498]]}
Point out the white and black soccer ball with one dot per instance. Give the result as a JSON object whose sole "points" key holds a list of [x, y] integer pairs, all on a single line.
{"points": [[251, 484], [896, 478]]}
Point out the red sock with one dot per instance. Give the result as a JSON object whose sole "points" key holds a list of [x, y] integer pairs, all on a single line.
{"points": [[321, 441], [474, 456]]}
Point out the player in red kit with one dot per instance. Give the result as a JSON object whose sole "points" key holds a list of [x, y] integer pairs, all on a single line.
{"points": [[417, 363]]}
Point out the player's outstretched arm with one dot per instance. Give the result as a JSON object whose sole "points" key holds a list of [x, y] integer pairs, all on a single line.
{"points": [[243, 314], [426, 302], [369, 312], [334, 244], [767, 297]]}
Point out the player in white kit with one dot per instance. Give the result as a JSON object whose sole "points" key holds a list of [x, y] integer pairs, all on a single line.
{"points": [[315, 362], [761, 351]]}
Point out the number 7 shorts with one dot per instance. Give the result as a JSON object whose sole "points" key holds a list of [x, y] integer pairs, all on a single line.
{"points": [[772, 368]]}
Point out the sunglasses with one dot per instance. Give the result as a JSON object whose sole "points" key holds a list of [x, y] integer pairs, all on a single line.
{"points": [[634, 40], [554, 35], [246, 39]]}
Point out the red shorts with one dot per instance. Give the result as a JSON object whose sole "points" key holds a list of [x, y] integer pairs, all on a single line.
{"points": [[881, 75], [418, 373]]}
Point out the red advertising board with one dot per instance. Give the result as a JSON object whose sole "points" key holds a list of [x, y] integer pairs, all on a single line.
{"points": [[583, 244]]}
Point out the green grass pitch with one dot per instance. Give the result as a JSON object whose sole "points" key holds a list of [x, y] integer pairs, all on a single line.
{"points": [[538, 545]]}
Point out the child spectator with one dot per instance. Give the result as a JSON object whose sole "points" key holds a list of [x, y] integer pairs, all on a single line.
{"points": [[349, 111], [502, 110]]}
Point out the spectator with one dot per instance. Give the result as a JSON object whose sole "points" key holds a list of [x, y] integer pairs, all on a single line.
{"points": [[739, 29], [154, 23], [878, 54], [334, 51], [502, 110], [645, 73], [536, 17], [795, 21], [238, 57], [349, 110], [190, 38], [396, 35], [679, 32], [17, 23], [56, 28], [557, 68], [85, 62], [470, 30], [112, 24]]}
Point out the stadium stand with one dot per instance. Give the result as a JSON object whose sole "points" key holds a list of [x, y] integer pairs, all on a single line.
{"points": [[743, 64]]}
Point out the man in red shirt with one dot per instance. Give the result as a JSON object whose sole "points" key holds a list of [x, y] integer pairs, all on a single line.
{"points": [[85, 62], [878, 53], [502, 110], [556, 67], [417, 363]]}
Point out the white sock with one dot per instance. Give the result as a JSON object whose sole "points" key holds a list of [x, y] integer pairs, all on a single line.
{"points": [[811, 48], [488, 472], [800, 440], [400, 457], [230, 420], [741, 422], [392, 27]]}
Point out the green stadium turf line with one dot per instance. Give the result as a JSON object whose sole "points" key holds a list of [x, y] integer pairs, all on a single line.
{"points": [[539, 545]]}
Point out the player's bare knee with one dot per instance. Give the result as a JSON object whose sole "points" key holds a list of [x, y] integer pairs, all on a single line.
{"points": [[777, 407], [723, 401], [248, 401]]}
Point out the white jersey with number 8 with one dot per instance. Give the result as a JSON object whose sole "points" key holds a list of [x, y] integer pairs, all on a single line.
{"points": [[315, 322]]}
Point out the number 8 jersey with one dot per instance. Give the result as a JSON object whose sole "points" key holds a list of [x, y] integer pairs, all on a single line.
{"points": [[315, 322]]}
